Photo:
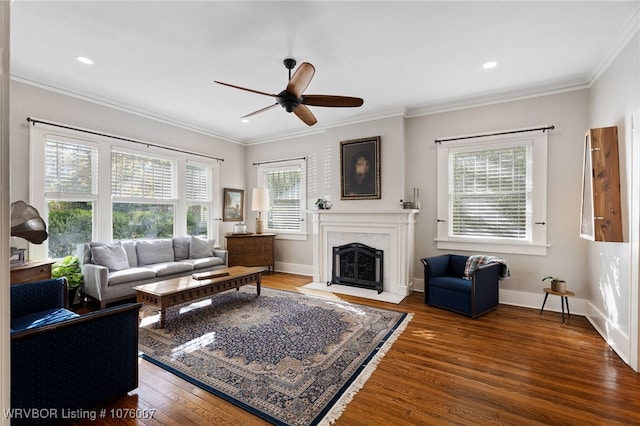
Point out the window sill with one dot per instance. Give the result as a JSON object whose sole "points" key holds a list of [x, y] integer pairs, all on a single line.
{"points": [[284, 235], [492, 246]]}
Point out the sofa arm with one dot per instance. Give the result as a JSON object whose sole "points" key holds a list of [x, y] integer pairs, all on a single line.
{"points": [[96, 280], [222, 254], [488, 274], [38, 296], [436, 266], [80, 363]]}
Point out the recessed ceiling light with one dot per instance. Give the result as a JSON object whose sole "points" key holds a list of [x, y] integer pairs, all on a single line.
{"points": [[244, 120], [489, 65], [84, 60]]}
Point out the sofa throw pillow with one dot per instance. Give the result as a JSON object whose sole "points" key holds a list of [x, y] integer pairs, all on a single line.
{"points": [[130, 248], [181, 247], [200, 248], [111, 256], [154, 251]]}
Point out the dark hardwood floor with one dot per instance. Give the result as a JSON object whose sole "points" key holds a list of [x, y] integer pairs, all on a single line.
{"points": [[512, 366]]}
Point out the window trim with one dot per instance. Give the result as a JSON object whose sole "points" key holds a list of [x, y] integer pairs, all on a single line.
{"points": [[301, 164], [537, 245]]}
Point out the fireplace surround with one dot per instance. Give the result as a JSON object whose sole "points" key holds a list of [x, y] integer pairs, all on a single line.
{"points": [[391, 231]]}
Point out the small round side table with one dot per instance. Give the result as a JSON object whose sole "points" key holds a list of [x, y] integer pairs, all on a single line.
{"points": [[564, 299]]}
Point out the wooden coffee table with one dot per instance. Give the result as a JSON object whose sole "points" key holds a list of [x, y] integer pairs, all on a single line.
{"points": [[163, 294]]}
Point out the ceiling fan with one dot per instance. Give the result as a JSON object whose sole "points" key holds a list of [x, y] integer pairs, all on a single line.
{"points": [[292, 98]]}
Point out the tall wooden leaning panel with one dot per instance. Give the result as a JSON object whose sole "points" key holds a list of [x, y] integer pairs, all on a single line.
{"points": [[601, 207]]}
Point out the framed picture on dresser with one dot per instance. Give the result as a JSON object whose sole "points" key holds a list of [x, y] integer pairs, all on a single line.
{"points": [[233, 205]]}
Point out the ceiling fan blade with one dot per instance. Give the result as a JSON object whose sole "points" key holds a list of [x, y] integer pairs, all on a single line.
{"points": [[259, 111], [301, 79], [331, 101], [244, 88], [305, 115]]}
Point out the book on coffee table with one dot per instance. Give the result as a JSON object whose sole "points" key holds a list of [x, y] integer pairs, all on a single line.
{"points": [[209, 275]]}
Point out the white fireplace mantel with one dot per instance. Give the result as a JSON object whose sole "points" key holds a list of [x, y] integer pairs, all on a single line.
{"points": [[389, 230]]}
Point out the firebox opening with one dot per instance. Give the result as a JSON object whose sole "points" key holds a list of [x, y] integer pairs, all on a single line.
{"points": [[357, 265]]}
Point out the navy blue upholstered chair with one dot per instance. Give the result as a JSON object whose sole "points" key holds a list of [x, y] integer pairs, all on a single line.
{"points": [[64, 361], [447, 288]]}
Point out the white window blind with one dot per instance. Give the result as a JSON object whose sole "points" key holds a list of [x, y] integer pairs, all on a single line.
{"points": [[284, 199], [142, 177], [198, 183], [198, 192], [489, 193], [286, 181], [70, 168]]}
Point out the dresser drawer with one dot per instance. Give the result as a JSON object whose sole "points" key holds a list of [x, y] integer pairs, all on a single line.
{"points": [[32, 271]]}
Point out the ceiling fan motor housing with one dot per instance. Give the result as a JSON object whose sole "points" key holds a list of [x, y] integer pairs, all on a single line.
{"points": [[288, 101]]}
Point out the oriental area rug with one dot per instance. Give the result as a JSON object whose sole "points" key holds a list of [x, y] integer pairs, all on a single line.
{"points": [[289, 358]]}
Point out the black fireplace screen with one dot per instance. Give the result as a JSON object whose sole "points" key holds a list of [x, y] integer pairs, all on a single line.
{"points": [[357, 265]]}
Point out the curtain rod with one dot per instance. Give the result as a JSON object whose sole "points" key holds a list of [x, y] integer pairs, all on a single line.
{"points": [[279, 161], [495, 134], [34, 121]]}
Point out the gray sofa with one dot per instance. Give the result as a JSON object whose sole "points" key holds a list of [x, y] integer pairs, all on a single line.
{"points": [[111, 270]]}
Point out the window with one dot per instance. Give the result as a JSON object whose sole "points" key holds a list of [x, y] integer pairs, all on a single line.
{"points": [[86, 188], [286, 183], [198, 195], [144, 194], [492, 193], [71, 188]]}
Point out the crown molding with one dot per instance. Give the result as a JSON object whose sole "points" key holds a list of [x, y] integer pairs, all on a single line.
{"points": [[493, 99], [129, 110], [628, 31], [317, 130]]}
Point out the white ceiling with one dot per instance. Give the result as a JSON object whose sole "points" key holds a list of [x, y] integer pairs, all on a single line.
{"points": [[160, 58]]}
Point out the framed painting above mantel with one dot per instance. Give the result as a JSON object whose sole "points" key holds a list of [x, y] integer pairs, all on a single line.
{"points": [[360, 169]]}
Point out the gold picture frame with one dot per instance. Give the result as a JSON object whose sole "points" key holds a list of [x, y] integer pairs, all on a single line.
{"points": [[360, 169], [233, 205]]}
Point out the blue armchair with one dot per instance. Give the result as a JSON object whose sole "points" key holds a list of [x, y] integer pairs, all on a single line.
{"points": [[446, 286], [62, 361]]}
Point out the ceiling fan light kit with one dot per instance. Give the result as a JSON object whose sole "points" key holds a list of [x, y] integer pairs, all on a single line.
{"points": [[292, 98]]}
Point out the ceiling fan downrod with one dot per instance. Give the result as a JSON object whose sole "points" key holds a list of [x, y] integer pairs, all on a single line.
{"points": [[290, 64], [288, 101]]}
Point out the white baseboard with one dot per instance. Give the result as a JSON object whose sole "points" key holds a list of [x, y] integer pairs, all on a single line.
{"points": [[295, 268], [616, 338]]}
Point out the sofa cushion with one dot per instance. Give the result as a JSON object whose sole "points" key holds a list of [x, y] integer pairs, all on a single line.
{"points": [[154, 251], [39, 319], [181, 247], [451, 283], [130, 248], [205, 262], [111, 256], [168, 268], [201, 248], [131, 274]]}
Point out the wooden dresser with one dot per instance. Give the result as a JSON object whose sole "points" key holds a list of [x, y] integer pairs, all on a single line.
{"points": [[251, 250], [34, 270]]}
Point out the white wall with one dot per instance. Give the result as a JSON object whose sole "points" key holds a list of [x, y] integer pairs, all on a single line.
{"points": [[323, 177], [408, 161], [31, 101], [613, 98], [566, 254]]}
